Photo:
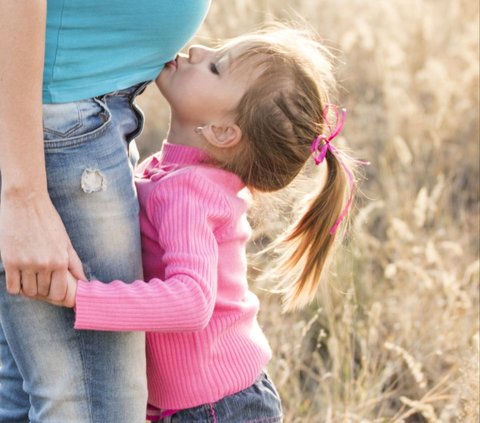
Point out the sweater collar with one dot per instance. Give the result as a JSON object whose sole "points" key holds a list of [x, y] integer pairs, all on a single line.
{"points": [[173, 156], [181, 154]]}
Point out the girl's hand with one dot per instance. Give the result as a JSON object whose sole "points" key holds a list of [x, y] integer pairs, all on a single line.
{"points": [[68, 300]]}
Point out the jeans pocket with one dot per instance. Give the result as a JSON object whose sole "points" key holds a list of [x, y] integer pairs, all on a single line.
{"points": [[66, 124]]}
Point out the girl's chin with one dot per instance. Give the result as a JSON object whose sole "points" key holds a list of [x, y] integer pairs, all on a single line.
{"points": [[158, 80]]}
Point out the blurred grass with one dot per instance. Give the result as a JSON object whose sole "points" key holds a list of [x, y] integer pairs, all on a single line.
{"points": [[394, 335]]}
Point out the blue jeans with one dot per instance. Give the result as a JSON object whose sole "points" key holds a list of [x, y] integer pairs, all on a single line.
{"points": [[49, 372], [258, 403]]}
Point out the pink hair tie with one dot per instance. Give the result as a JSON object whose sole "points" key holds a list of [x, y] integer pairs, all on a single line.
{"points": [[320, 151], [322, 144]]}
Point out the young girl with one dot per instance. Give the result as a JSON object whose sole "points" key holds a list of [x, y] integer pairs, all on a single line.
{"points": [[244, 117]]}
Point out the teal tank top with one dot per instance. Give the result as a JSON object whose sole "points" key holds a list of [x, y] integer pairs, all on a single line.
{"points": [[98, 46]]}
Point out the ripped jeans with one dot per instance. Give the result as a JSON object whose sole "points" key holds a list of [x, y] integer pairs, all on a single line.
{"points": [[49, 372]]}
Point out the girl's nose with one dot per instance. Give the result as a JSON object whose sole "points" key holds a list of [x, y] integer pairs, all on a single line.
{"points": [[197, 53]]}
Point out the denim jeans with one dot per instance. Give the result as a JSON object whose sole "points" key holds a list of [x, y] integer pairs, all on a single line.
{"points": [[49, 372], [258, 403]]}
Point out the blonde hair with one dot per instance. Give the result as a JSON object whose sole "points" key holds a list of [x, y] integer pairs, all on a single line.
{"points": [[280, 115]]}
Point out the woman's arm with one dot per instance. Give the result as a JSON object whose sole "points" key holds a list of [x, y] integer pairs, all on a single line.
{"points": [[35, 248]]}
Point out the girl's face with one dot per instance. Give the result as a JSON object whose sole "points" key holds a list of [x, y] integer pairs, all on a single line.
{"points": [[201, 87]]}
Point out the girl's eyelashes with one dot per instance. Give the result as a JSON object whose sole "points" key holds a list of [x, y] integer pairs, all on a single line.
{"points": [[214, 69]]}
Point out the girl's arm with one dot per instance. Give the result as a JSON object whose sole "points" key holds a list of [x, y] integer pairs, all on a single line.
{"points": [[185, 212], [36, 250]]}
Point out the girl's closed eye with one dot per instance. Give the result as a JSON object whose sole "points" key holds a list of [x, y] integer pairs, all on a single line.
{"points": [[214, 68]]}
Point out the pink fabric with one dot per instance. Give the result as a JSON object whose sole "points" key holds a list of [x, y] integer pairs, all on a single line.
{"points": [[204, 341]]}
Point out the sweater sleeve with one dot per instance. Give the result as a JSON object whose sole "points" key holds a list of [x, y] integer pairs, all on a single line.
{"points": [[185, 212]]}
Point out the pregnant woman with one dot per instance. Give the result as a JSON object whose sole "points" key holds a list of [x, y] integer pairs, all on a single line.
{"points": [[68, 201]]}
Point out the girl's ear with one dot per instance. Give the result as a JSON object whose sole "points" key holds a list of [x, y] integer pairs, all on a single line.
{"points": [[221, 136]]}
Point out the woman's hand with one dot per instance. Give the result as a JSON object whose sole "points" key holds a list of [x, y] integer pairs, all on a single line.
{"points": [[36, 251]]}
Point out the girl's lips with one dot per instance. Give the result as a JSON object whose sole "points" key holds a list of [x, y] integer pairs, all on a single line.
{"points": [[172, 63]]}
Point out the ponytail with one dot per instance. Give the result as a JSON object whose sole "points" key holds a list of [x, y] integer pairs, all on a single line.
{"points": [[303, 251]]}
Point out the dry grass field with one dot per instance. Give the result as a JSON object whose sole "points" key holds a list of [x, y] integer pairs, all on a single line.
{"points": [[394, 335]]}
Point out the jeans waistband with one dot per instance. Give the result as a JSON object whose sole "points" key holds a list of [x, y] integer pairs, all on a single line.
{"points": [[130, 92]]}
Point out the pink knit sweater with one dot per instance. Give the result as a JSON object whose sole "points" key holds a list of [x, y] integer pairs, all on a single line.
{"points": [[204, 341]]}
